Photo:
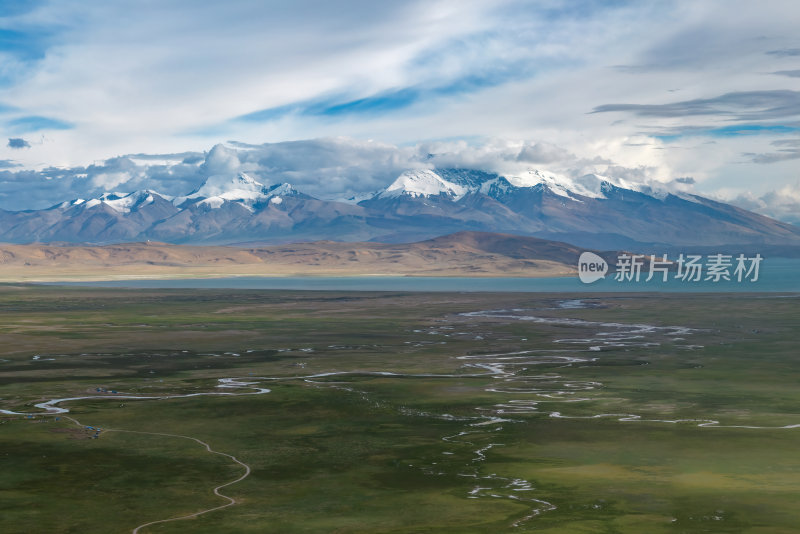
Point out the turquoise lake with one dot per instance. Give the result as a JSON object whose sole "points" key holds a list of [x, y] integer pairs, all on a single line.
{"points": [[776, 275]]}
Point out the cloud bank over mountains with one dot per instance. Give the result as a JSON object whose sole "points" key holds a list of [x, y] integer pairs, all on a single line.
{"points": [[325, 168], [339, 168]]}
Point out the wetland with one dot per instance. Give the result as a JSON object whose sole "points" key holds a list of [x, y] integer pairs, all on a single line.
{"points": [[238, 410]]}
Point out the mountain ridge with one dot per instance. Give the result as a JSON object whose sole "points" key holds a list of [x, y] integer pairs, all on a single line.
{"points": [[461, 254], [590, 211]]}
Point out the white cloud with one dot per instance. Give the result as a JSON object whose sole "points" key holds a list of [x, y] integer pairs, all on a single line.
{"points": [[171, 77], [326, 168], [782, 204], [108, 181], [221, 160]]}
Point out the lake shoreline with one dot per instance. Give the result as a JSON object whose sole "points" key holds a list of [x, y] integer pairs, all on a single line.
{"points": [[781, 282]]}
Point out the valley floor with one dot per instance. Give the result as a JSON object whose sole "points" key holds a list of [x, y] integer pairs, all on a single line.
{"points": [[377, 412]]}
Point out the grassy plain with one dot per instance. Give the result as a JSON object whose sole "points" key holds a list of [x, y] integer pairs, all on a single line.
{"points": [[548, 425]]}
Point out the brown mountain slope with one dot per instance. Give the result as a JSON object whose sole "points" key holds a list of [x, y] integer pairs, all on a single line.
{"points": [[461, 254]]}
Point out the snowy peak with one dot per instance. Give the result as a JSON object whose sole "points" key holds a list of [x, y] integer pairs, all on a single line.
{"points": [[422, 183], [537, 176], [130, 202], [282, 190], [559, 184], [456, 183], [586, 186], [241, 187], [278, 192], [472, 179], [119, 202], [68, 204], [496, 187], [218, 189]]}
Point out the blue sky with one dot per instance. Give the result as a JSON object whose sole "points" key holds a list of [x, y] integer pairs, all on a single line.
{"points": [[653, 90]]}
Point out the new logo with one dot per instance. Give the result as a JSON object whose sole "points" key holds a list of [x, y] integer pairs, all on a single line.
{"points": [[591, 267]]}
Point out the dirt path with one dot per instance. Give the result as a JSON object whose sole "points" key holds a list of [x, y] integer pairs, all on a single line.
{"points": [[216, 490], [231, 500]]}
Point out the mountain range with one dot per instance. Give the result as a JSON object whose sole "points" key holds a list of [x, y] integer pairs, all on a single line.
{"points": [[592, 211], [474, 254]]}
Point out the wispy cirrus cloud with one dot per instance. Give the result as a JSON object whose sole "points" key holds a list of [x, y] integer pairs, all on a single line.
{"points": [[386, 102], [789, 73], [785, 52], [786, 149], [742, 105]]}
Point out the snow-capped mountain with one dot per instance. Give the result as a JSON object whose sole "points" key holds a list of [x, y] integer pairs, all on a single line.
{"points": [[278, 192], [422, 183], [591, 211], [120, 202], [241, 189], [455, 183]]}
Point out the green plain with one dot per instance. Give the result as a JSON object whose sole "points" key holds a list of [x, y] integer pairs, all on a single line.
{"points": [[366, 453]]}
